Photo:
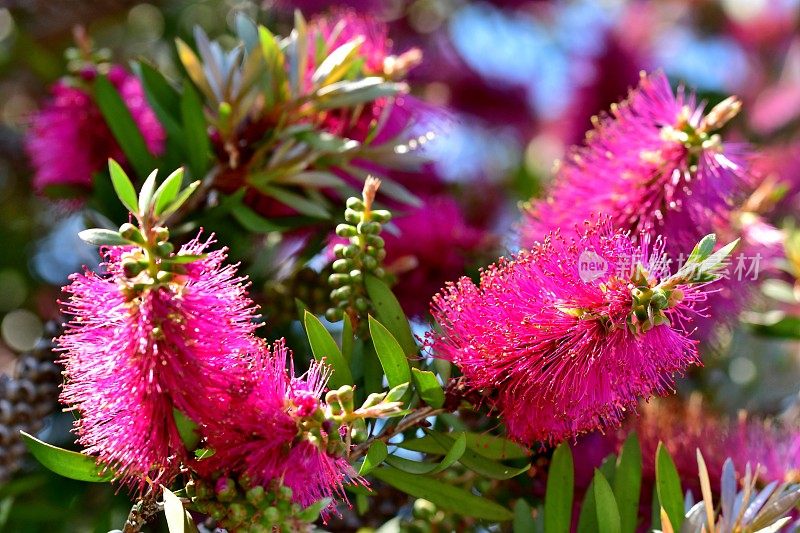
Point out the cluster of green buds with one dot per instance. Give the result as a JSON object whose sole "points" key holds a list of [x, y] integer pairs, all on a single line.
{"points": [[240, 505], [305, 284], [83, 58], [427, 517], [321, 426], [150, 260], [362, 256], [651, 298]]}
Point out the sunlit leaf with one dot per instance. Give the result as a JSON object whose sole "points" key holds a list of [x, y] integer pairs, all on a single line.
{"points": [[324, 348], [560, 487], [72, 465]]}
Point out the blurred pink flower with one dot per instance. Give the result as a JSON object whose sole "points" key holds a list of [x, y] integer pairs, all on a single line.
{"points": [[69, 140], [550, 337], [654, 166], [261, 433], [132, 356]]}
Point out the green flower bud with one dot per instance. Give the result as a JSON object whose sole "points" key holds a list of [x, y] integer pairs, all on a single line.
{"points": [[659, 300], [369, 228], [133, 268], [381, 215], [255, 495], [355, 204], [271, 515], [337, 280], [334, 315], [226, 490], [353, 217], [164, 277], [361, 304], [161, 234], [239, 512], [342, 293], [370, 263], [132, 233], [375, 240], [373, 399], [379, 272], [352, 250], [356, 276], [345, 393], [342, 265], [339, 250], [346, 230], [163, 249]]}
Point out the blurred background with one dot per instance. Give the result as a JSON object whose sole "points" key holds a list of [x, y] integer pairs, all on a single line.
{"points": [[520, 78]]}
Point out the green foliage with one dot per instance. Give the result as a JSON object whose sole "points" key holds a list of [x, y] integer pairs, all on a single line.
{"points": [[668, 484], [324, 348], [72, 465], [393, 360], [560, 486]]}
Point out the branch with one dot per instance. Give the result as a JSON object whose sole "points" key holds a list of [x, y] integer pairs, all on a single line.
{"points": [[141, 513], [407, 423]]}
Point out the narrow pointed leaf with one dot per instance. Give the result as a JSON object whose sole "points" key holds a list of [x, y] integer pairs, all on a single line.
{"points": [[668, 484], [173, 511], [103, 237], [443, 495], [123, 186], [168, 190], [392, 358], [560, 487], [428, 387], [390, 314], [324, 347], [195, 131], [627, 483], [72, 465], [608, 520], [375, 455], [146, 193]]}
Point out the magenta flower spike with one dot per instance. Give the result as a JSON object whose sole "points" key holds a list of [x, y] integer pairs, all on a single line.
{"points": [[654, 165], [69, 140], [565, 338], [133, 355]]}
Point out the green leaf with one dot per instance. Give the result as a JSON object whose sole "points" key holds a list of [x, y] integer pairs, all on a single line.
{"points": [[668, 484], [703, 248], [338, 62], [167, 191], [353, 93], [187, 429], [627, 483], [428, 387], [776, 324], [178, 202], [194, 68], [605, 505], [72, 465], [439, 443], [146, 193], [523, 518], [122, 126], [323, 346], [173, 510], [123, 186], [587, 520], [392, 358], [103, 237], [443, 495], [489, 446], [390, 314], [560, 487], [455, 453], [299, 203], [347, 338], [375, 455], [409, 466], [195, 131]]}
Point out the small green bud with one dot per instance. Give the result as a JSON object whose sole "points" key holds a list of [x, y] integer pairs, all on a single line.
{"points": [[381, 215], [370, 263], [161, 233], [362, 305], [332, 397], [342, 293], [337, 280], [131, 232], [356, 276], [375, 240], [255, 495], [272, 515], [339, 250], [346, 230], [164, 249], [353, 217], [659, 299], [133, 268], [191, 489], [239, 512], [334, 314], [164, 277], [285, 493], [369, 228], [355, 204], [225, 489], [342, 265], [345, 393], [379, 273], [352, 250]]}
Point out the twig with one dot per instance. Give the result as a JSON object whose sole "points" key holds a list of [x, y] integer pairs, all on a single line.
{"points": [[407, 423], [141, 513]]}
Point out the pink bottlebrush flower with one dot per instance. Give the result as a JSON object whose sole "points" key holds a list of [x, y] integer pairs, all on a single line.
{"points": [[433, 244], [548, 333], [69, 140], [345, 25], [654, 166], [132, 356], [774, 448], [262, 433]]}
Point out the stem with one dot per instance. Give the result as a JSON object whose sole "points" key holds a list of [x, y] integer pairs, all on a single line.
{"points": [[141, 513], [407, 423]]}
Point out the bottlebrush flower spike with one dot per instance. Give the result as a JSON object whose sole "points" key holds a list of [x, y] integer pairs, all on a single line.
{"points": [[277, 432], [69, 140], [654, 166], [136, 350], [567, 336]]}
